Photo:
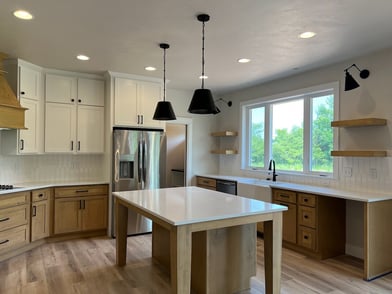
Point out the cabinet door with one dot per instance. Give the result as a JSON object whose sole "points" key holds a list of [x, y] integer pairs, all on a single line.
{"points": [[148, 96], [91, 92], [28, 139], [67, 215], [29, 83], [61, 89], [90, 130], [125, 95], [40, 220], [95, 210], [60, 128], [289, 222]]}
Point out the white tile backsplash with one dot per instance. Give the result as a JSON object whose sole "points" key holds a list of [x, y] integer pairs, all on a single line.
{"points": [[53, 167]]}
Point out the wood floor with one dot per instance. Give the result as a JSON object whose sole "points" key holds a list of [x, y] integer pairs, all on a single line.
{"points": [[88, 266]]}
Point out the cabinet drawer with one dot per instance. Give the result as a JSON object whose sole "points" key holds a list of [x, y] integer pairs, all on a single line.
{"points": [[39, 195], [307, 238], [286, 196], [14, 216], [13, 238], [307, 216], [77, 191], [206, 182], [307, 199], [13, 199]]}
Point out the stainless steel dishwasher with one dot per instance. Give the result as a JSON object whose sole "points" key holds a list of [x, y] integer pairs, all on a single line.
{"points": [[225, 186]]}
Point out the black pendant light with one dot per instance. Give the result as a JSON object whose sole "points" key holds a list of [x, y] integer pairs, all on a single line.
{"points": [[164, 110], [202, 100]]}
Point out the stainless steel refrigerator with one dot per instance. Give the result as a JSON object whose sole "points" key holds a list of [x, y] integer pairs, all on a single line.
{"points": [[138, 158]]}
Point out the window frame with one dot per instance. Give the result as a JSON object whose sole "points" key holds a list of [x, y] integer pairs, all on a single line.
{"points": [[307, 94]]}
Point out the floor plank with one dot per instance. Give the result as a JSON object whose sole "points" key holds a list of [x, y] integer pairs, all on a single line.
{"points": [[87, 266]]}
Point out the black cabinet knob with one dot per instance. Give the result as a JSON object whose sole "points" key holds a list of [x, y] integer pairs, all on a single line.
{"points": [[80, 100], [72, 100], [23, 92]]}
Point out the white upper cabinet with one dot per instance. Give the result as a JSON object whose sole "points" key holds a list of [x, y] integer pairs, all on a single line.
{"points": [[74, 114], [29, 83], [26, 81], [135, 102], [91, 92], [60, 89]]}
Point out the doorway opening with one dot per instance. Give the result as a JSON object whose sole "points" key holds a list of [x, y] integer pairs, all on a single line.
{"points": [[176, 154]]}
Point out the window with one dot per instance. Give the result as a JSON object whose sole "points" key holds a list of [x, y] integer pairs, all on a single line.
{"points": [[294, 129]]}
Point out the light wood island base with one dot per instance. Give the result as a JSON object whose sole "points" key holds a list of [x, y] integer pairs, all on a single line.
{"points": [[223, 260]]}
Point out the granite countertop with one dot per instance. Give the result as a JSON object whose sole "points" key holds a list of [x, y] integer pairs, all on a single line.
{"points": [[21, 187], [325, 191]]}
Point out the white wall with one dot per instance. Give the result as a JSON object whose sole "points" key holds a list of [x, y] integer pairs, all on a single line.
{"points": [[372, 99]]}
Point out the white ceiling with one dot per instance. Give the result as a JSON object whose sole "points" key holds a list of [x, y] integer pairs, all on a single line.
{"points": [[123, 36]]}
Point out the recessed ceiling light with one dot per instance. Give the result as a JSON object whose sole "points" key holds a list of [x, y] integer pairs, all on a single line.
{"points": [[243, 60], [150, 68], [82, 57], [23, 14], [307, 35], [203, 77]]}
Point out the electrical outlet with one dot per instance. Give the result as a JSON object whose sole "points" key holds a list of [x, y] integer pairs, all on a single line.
{"points": [[373, 173], [347, 171]]}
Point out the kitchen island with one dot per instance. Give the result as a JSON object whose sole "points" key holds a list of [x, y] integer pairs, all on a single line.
{"points": [[178, 213]]}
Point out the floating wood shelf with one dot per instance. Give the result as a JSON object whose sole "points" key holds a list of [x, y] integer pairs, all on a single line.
{"points": [[225, 151], [225, 134], [363, 122], [360, 153]]}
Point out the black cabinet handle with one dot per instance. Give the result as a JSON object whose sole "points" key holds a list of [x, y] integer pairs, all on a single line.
{"points": [[4, 241], [305, 199], [306, 237], [72, 100], [34, 210], [79, 100], [284, 195], [23, 92], [78, 145], [21, 144], [4, 219], [81, 191], [305, 216], [40, 195], [71, 145]]}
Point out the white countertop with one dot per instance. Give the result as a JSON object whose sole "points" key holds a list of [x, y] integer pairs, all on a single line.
{"points": [[186, 205], [324, 191], [21, 187]]}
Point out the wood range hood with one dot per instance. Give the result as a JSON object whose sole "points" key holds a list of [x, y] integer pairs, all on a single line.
{"points": [[12, 114]]}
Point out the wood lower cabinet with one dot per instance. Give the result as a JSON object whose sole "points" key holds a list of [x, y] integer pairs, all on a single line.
{"points": [[80, 208], [40, 214], [313, 225], [14, 221], [206, 183]]}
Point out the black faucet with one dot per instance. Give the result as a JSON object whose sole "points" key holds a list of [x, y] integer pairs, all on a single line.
{"points": [[272, 167]]}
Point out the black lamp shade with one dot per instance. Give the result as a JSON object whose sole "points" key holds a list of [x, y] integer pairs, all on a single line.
{"points": [[350, 83], [202, 102], [164, 111]]}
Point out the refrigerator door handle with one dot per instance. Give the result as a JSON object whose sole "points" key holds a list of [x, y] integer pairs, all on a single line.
{"points": [[140, 163], [116, 166], [144, 161]]}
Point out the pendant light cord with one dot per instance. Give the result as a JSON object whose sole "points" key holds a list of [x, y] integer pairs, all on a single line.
{"points": [[202, 58], [164, 74]]}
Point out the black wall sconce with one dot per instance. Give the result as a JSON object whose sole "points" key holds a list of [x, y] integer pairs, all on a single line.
{"points": [[229, 103], [350, 82]]}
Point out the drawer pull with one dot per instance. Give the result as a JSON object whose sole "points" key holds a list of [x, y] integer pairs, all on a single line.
{"points": [[34, 210], [306, 237], [40, 195], [81, 191], [4, 219], [4, 241], [205, 182], [284, 195], [305, 216], [306, 200]]}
